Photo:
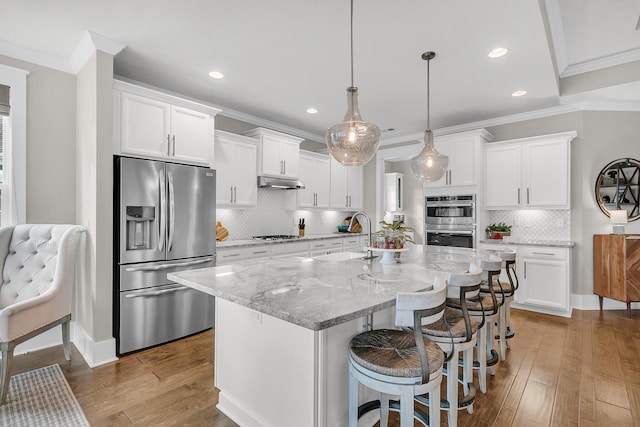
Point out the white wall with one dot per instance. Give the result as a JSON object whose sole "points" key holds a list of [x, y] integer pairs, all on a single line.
{"points": [[51, 107]]}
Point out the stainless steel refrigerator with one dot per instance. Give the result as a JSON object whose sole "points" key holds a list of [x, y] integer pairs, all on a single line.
{"points": [[164, 222]]}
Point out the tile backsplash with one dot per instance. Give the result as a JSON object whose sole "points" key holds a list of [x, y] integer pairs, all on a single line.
{"points": [[270, 217], [535, 224]]}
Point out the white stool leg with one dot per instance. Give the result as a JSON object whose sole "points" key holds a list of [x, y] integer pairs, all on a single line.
{"points": [[353, 399], [434, 407], [467, 373], [384, 409], [406, 407], [481, 347], [489, 343], [452, 390], [502, 327]]}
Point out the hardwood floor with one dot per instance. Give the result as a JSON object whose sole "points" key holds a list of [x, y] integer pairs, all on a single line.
{"points": [[582, 371]]}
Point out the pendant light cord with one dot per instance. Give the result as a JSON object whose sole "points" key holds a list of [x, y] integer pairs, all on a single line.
{"points": [[428, 124], [352, 43]]}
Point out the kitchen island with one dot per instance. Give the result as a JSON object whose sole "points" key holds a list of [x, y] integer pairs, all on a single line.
{"points": [[282, 328]]}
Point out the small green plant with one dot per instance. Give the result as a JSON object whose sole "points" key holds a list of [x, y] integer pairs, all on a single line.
{"points": [[500, 227], [393, 235]]}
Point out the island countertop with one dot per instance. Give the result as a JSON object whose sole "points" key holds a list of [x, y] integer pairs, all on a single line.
{"points": [[318, 294]]}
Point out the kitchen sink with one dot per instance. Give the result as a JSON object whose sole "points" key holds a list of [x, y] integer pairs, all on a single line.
{"points": [[340, 256]]}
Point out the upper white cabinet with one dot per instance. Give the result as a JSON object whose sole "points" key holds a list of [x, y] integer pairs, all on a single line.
{"points": [[155, 125], [236, 168], [278, 153], [465, 158], [346, 186], [529, 173], [314, 174]]}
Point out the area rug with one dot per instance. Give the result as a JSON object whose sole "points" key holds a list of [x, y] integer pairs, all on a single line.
{"points": [[41, 398]]}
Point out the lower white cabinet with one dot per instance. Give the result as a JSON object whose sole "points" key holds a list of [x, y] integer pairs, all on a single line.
{"points": [[354, 243], [326, 246], [289, 249], [544, 277], [233, 254]]}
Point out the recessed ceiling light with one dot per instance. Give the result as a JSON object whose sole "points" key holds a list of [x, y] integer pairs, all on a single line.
{"points": [[312, 110], [498, 52], [216, 75], [519, 93]]}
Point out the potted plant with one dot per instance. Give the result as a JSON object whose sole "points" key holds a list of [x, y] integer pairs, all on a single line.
{"points": [[498, 231], [393, 235]]}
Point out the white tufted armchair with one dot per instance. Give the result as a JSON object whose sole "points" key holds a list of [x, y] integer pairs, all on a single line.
{"points": [[36, 291]]}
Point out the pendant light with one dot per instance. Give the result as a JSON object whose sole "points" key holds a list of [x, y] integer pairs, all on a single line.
{"points": [[429, 165], [354, 141]]}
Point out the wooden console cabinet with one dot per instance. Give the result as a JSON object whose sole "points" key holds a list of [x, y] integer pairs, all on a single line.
{"points": [[616, 267]]}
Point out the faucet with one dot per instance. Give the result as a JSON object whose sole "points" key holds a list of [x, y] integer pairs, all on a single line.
{"points": [[369, 243]]}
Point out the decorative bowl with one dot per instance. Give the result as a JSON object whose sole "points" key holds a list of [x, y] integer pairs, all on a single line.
{"points": [[343, 228]]}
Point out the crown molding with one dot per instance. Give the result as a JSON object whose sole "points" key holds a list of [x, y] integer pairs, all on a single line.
{"points": [[608, 106], [89, 44], [34, 57], [601, 63]]}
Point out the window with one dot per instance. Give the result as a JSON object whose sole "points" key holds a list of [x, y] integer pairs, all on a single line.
{"points": [[13, 131]]}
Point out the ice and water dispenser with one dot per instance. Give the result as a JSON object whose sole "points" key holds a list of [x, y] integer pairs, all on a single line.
{"points": [[140, 221]]}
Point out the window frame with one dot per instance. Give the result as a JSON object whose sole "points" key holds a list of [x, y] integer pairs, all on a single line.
{"points": [[14, 187]]}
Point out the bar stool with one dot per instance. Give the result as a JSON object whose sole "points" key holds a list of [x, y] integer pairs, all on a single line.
{"points": [[510, 288], [484, 309], [456, 333], [491, 287], [399, 362]]}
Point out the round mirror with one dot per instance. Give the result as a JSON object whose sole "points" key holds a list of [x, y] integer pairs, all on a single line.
{"points": [[617, 187]]}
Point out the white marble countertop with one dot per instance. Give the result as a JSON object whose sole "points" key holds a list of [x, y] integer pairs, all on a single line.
{"points": [[319, 294], [241, 243], [530, 242]]}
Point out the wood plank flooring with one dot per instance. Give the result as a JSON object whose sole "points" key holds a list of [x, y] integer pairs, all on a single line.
{"points": [[583, 371]]}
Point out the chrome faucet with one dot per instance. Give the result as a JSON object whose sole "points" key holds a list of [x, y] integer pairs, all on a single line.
{"points": [[369, 243]]}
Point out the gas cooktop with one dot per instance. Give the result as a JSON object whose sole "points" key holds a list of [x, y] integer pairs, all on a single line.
{"points": [[276, 237]]}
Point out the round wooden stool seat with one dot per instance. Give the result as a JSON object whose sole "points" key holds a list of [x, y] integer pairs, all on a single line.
{"points": [[451, 325], [393, 352], [484, 303]]}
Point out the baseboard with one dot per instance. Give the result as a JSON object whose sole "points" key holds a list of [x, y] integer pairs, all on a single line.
{"points": [[590, 302], [94, 353]]}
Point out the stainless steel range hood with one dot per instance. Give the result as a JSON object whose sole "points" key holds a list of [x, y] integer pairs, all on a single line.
{"points": [[283, 183]]}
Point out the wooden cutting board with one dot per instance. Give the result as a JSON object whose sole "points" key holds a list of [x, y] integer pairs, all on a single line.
{"points": [[221, 233]]}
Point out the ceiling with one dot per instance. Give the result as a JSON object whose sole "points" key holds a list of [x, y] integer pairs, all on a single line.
{"points": [[280, 57]]}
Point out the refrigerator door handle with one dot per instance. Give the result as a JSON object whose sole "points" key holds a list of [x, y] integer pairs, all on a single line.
{"points": [[164, 266], [156, 293], [172, 212], [162, 223]]}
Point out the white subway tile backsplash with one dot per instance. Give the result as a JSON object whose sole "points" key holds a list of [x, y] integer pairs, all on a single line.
{"points": [[535, 224], [270, 217]]}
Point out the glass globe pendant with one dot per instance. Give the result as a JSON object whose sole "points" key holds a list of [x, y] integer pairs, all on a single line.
{"points": [[429, 165], [354, 141]]}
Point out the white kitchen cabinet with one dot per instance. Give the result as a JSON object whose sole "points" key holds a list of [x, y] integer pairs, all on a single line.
{"points": [[354, 243], [346, 186], [529, 173], [236, 170], [545, 279], [465, 158], [326, 246], [314, 174], [288, 249], [278, 153], [154, 125], [232, 255]]}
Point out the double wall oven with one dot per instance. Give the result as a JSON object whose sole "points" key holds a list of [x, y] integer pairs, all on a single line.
{"points": [[450, 221]]}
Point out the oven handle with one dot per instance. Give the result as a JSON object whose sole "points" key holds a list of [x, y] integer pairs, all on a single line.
{"points": [[156, 293], [449, 205], [443, 232]]}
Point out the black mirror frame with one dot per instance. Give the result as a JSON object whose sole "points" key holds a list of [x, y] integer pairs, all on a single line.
{"points": [[629, 189]]}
